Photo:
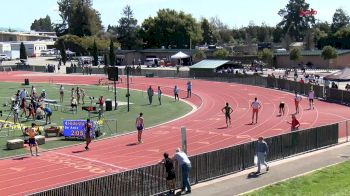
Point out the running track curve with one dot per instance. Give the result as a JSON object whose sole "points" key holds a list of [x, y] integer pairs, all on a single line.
{"points": [[206, 131]]}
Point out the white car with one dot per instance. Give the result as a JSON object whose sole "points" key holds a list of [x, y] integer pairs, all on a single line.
{"points": [[4, 57]]}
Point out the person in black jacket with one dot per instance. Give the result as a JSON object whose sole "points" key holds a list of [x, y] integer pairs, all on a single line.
{"points": [[169, 168]]}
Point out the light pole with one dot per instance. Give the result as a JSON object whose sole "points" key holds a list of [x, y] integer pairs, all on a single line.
{"points": [[127, 87], [115, 93]]}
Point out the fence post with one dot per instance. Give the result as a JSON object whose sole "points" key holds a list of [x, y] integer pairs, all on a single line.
{"points": [[347, 131]]}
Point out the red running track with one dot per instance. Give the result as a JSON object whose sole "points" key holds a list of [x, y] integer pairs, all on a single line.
{"points": [[206, 131]]}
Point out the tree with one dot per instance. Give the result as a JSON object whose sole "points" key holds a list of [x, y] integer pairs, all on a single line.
{"points": [[328, 52], [22, 52], [127, 30], [111, 54], [277, 34], [266, 55], [222, 33], [171, 29], [340, 19], [95, 53], [78, 18], [208, 32], [295, 54], [199, 55], [42, 25], [63, 51], [294, 24], [309, 40], [221, 53]]}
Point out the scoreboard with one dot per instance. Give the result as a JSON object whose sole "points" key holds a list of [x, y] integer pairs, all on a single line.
{"points": [[76, 128]]}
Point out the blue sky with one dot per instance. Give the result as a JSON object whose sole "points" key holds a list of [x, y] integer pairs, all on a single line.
{"points": [[234, 13]]}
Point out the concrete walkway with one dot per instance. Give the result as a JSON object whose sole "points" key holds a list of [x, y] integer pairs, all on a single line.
{"points": [[239, 183]]}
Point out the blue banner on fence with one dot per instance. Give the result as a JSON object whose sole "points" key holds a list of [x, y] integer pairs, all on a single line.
{"points": [[76, 128]]}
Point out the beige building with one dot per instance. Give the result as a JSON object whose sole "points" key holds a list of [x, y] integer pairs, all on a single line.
{"points": [[20, 36], [313, 59]]}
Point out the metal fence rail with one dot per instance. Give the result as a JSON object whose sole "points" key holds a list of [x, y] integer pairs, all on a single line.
{"points": [[150, 180]]}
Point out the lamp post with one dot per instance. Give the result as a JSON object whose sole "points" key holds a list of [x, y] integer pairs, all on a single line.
{"points": [[115, 94], [127, 87]]}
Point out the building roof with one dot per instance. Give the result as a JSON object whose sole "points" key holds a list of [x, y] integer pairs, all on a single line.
{"points": [[340, 76], [209, 64], [311, 53]]}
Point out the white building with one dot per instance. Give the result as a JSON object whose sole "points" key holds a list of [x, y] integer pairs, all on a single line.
{"points": [[33, 48], [5, 47]]}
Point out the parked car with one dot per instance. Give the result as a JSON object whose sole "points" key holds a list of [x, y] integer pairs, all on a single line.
{"points": [[152, 62], [4, 57]]}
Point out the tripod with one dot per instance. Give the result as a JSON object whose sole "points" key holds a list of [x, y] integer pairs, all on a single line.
{"points": [[15, 118]]}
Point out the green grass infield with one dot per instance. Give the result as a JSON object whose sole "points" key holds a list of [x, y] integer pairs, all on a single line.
{"points": [[114, 122]]}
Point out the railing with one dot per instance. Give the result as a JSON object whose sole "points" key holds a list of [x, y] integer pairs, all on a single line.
{"points": [[150, 180]]}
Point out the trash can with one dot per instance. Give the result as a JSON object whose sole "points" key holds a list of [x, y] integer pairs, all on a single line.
{"points": [[108, 105]]}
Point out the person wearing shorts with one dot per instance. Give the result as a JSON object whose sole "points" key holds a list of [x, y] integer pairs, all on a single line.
{"points": [[256, 107], [140, 127], [311, 99], [297, 100], [31, 132], [227, 110], [176, 93], [48, 114], [88, 128], [281, 108], [169, 168]]}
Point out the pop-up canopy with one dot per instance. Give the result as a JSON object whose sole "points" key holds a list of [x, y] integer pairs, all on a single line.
{"points": [[180, 55]]}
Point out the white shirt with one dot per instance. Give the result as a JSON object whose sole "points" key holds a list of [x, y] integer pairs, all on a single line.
{"points": [[311, 95], [255, 105], [182, 158], [297, 98]]}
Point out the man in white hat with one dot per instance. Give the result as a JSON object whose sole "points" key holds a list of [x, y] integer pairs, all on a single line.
{"points": [[185, 164]]}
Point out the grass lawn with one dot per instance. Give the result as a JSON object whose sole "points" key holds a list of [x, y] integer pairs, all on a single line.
{"points": [[334, 180], [120, 122]]}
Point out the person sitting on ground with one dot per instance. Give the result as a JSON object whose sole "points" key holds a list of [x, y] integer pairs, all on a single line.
{"points": [[40, 114]]}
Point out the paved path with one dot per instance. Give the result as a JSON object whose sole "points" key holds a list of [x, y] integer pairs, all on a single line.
{"points": [[239, 183]]}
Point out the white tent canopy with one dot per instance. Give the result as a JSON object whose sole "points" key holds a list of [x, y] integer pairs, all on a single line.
{"points": [[180, 55]]}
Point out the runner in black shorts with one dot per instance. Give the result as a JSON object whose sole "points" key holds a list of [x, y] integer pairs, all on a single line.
{"points": [[281, 107], [227, 110]]}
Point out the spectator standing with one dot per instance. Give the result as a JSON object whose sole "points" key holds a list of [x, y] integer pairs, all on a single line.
{"points": [[72, 94], [150, 94], [185, 164], [176, 93], [82, 94], [101, 102], [74, 104], [189, 89], [61, 93], [294, 124], [78, 94], [169, 168], [261, 152], [160, 95]]}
